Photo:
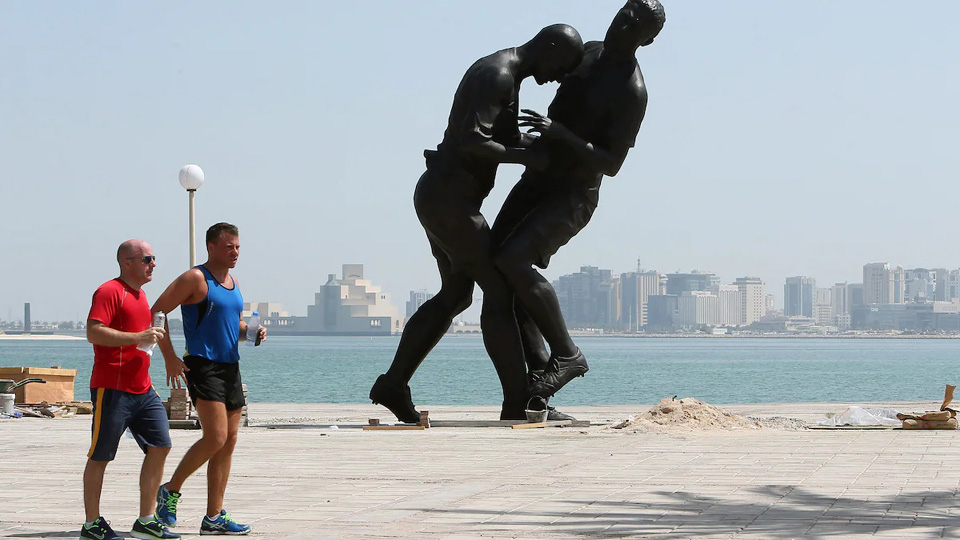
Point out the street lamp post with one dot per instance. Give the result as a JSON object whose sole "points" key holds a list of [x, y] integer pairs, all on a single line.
{"points": [[191, 178]]}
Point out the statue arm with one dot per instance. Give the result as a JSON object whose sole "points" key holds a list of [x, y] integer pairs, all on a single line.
{"points": [[607, 155], [494, 90]]}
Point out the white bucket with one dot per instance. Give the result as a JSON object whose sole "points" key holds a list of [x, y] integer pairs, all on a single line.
{"points": [[6, 403]]}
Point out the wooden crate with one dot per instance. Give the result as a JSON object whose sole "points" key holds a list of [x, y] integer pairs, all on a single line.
{"points": [[59, 385]]}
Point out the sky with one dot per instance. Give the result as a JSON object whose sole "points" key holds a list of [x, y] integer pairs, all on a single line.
{"points": [[781, 139]]}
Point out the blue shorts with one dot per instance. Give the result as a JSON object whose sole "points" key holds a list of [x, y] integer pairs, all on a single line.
{"points": [[114, 411]]}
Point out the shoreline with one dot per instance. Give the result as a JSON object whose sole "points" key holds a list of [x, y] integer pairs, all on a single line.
{"points": [[39, 337]]}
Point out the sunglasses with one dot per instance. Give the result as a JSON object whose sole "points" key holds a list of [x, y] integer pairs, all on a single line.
{"points": [[146, 259]]}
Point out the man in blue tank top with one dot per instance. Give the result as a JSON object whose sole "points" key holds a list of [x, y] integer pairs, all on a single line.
{"points": [[210, 303]]}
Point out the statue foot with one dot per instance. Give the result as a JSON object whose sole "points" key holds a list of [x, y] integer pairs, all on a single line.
{"points": [[396, 399], [559, 372], [537, 403], [553, 415]]}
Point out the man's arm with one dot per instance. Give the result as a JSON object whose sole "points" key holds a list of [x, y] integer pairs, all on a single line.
{"points": [[99, 333], [186, 289]]}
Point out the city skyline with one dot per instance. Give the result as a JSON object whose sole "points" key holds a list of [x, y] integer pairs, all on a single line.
{"points": [[951, 278], [768, 148]]}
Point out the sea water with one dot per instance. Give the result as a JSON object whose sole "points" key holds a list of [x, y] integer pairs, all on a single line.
{"points": [[623, 370]]}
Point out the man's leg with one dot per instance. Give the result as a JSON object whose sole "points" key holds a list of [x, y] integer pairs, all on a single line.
{"points": [[92, 487], [151, 474], [218, 468], [111, 409], [213, 420]]}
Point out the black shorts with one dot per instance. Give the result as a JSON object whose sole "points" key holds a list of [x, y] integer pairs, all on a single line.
{"points": [[114, 411], [214, 381], [536, 220]]}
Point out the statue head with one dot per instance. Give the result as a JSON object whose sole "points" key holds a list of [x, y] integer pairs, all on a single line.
{"points": [[554, 51], [636, 25]]}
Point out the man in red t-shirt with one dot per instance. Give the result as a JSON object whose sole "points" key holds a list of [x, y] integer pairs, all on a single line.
{"points": [[119, 326]]}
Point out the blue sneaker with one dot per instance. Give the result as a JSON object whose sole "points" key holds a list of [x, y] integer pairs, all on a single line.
{"points": [[224, 524], [151, 529], [99, 530], [167, 506]]}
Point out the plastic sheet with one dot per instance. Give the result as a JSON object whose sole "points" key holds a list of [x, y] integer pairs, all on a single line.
{"points": [[858, 416]]}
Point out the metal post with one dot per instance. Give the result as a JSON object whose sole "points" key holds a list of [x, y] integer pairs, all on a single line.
{"points": [[193, 232]]}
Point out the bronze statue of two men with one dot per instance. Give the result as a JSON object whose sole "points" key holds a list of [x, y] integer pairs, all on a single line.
{"points": [[590, 126]]}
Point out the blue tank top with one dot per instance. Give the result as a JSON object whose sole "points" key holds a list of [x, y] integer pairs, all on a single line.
{"points": [[212, 326]]}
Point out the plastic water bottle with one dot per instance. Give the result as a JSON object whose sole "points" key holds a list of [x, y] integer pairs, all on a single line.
{"points": [[253, 329], [158, 319]]}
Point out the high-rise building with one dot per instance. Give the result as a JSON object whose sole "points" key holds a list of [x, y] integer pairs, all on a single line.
{"points": [[883, 285], [698, 307], [823, 306], [770, 303], [840, 299], [635, 288], [950, 285], [921, 285], [417, 298], [26, 318], [855, 296], [588, 299], [678, 284], [729, 310], [751, 299], [798, 296], [662, 310]]}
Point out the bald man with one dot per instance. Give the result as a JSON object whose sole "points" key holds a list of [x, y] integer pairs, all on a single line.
{"points": [[123, 395]]}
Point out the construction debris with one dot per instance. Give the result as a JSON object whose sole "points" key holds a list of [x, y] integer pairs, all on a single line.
{"points": [[687, 414], [945, 418]]}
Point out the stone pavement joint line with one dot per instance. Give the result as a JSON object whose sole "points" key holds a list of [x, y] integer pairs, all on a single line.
{"points": [[494, 482]]}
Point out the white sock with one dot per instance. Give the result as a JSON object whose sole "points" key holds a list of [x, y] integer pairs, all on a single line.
{"points": [[214, 518], [88, 524], [146, 519]]}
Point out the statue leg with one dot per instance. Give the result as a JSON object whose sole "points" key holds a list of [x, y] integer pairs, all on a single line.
{"points": [[456, 228], [521, 200], [541, 232], [501, 338], [420, 336], [534, 350]]}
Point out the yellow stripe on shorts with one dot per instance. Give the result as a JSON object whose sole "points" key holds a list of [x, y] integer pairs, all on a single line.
{"points": [[96, 421]]}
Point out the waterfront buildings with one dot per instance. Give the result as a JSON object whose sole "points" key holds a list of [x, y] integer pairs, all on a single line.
{"points": [[589, 298], [350, 305], [635, 290], [798, 296], [417, 298], [752, 306], [882, 284]]}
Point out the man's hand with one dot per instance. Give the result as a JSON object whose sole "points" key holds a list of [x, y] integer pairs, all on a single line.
{"points": [[175, 370], [539, 123], [261, 334], [150, 336]]}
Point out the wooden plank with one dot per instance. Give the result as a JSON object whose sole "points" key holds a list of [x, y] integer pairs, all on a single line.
{"points": [[394, 428], [184, 424], [535, 425]]}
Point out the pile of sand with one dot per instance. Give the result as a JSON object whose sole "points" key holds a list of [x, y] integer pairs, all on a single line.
{"points": [[687, 414]]}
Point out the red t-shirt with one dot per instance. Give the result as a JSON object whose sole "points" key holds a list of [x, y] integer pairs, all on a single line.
{"points": [[125, 368]]}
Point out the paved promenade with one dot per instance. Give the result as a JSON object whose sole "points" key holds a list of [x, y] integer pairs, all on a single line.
{"points": [[296, 478]]}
